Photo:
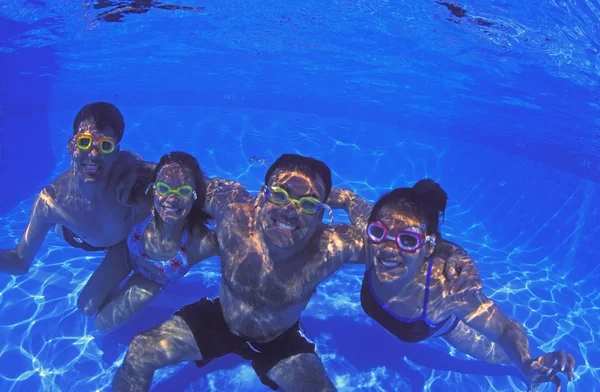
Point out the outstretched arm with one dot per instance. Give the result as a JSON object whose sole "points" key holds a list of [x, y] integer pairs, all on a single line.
{"points": [[357, 208], [483, 315], [18, 261]]}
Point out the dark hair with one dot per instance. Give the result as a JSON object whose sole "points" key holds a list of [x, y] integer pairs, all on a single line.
{"points": [[104, 115], [426, 200], [187, 162], [310, 166]]}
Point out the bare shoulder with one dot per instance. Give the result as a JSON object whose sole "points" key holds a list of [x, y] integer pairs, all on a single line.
{"points": [[127, 156], [446, 249], [48, 201]]}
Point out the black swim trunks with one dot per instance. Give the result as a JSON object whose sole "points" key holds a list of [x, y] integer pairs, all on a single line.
{"points": [[76, 242], [215, 339]]}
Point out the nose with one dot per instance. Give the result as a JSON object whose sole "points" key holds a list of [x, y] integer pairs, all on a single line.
{"points": [[171, 198], [387, 250], [94, 151], [290, 211]]}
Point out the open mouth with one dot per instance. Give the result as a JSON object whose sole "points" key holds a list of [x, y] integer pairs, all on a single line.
{"points": [[285, 226], [388, 264], [171, 210], [91, 169]]}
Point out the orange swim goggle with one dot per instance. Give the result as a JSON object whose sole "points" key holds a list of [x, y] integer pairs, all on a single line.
{"points": [[105, 144]]}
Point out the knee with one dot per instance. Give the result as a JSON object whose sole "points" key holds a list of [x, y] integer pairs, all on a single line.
{"points": [[139, 346], [144, 352], [102, 324]]}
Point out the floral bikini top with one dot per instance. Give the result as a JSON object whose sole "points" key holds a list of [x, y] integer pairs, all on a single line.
{"points": [[170, 270]]}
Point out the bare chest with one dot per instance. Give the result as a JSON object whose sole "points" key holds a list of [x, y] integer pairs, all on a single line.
{"points": [[251, 274], [100, 222], [259, 323]]}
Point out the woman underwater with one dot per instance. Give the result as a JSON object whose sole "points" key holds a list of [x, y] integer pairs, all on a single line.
{"points": [[406, 287]]}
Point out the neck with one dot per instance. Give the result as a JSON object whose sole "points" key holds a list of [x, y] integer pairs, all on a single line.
{"points": [[173, 230], [88, 189], [278, 254], [413, 282]]}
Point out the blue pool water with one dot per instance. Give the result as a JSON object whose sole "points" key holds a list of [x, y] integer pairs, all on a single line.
{"points": [[498, 104]]}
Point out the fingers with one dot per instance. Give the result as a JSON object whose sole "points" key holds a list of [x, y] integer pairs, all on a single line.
{"points": [[561, 362], [462, 282], [570, 366], [556, 381], [450, 272]]}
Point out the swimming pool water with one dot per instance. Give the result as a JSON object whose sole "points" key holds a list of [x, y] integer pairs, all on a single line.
{"points": [[525, 257], [503, 116]]}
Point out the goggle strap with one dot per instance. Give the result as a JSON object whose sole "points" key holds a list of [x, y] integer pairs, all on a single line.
{"points": [[330, 212], [148, 188], [430, 239]]}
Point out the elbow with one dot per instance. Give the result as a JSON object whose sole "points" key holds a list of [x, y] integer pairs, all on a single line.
{"points": [[22, 267], [21, 271], [12, 263]]}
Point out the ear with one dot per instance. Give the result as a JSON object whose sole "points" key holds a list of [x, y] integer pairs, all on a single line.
{"points": [[117, 149], [431, 245]]}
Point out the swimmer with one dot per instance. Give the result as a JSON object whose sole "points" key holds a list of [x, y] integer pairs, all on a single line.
{"points": [[162, 248], [259, 160], [407, 291], [120, 9], [82, 203], [274, 253]]}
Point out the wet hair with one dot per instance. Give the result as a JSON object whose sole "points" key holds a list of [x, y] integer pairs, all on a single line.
{"points": [[425, 200], [104, 115], [309, 166], [187, 162]]}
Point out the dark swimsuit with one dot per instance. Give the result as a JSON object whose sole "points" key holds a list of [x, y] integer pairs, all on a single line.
{"points": [[407, 330], [77, 242]]}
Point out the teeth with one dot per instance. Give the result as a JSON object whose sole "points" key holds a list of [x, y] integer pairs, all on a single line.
{"points": [[389, 264], [284, 226], [170, 209], [91, 167]]}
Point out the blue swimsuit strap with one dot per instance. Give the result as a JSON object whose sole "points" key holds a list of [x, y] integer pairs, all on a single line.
{"points": [[389, 311], [184, 237], [426, 301]]}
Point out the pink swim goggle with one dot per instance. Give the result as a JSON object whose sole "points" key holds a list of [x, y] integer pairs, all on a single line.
{"points": [[406, 240]]}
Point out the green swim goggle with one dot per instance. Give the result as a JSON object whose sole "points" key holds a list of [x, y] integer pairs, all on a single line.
{"points": [[162, 189], [307, 204]]}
